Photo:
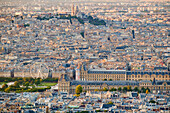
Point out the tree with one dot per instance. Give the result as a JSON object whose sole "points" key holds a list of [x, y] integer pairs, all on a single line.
{"points": [[129, 88], [110, 79], [147, 91], [79, 89], [136, 89], [16, 84], [4, 86], [26, 84], [37, 81], [119, 89], [41, 80], [113, 89], [105, 89], [33, 86], [7, 90], [110, 102], [96, 90], [143, 90], [24, 79], [124, 89], [152, 101], [90, 17]]}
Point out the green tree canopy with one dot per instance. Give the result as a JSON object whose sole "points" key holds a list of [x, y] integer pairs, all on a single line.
{"points": [[148, 89], [26, 84], [16, 84], [136, 89], [113, 89], [79, 89], [124, 89], [152, 101], [143, 90], [96, 90], [4, 86], [7, 90], [119, 89], [37, 81], [110, 102], [129, 88], [105, 89]]}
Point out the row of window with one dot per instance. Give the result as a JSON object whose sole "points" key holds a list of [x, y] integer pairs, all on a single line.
{"points": [[147, 76], [88, 79], [160, 88]]}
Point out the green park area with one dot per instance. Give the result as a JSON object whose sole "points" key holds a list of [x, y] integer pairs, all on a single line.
{"points": [[47, 84], [1, 83], [26, 84]]}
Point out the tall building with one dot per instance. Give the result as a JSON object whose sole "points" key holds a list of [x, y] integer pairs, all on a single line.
{"points": [[72, 10], [0, 38], [76, 10], [12, 73], [50, 73], [133, 34], [77, 74]]}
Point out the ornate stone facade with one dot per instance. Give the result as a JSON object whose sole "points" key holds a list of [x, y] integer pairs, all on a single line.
{"points": [[114, 75], [66, 85]]}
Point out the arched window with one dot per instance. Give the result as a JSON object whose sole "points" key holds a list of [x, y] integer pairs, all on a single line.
{"points": [[138, 76]]}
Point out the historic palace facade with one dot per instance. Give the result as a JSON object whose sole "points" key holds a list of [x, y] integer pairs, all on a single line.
{"points": [[114, 75], [66, 85]]}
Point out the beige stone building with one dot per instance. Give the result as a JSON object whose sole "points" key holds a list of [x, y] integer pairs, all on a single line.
{"points": [[114, 75], [66, 85]]}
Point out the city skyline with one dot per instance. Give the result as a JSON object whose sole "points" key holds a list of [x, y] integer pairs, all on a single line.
{"points": [[84, 56]]}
